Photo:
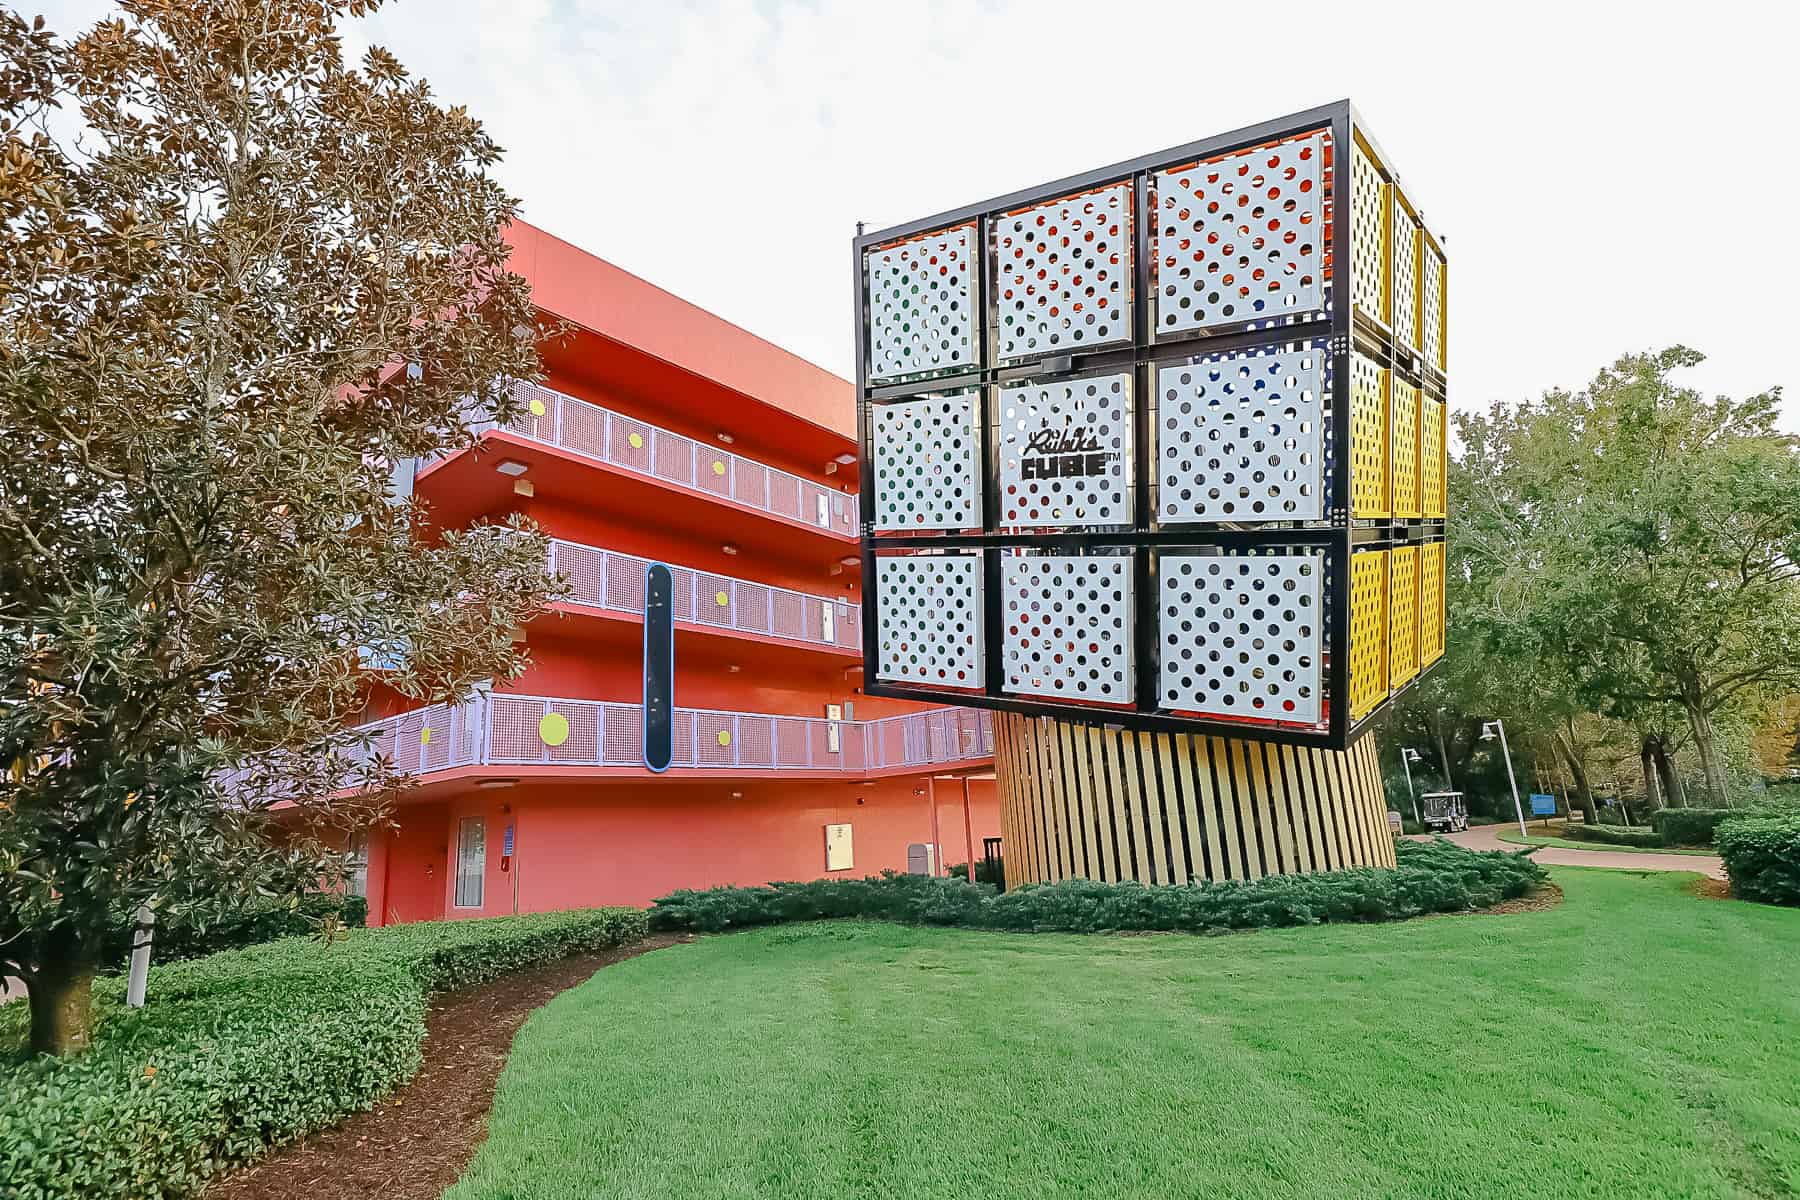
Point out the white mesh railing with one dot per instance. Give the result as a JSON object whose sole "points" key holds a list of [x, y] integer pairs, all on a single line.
{"points": [[549, 416], [504, 729], [608, 579]]}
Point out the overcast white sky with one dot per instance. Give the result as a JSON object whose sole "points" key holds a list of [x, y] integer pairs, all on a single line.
{"points": [[1609, 177]]}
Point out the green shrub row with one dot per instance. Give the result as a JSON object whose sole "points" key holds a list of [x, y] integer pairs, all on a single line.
{"points": [[1614, 835], [1689, 826], [244, 1050], [251, 927], [1762, 856], [1431, 877]]}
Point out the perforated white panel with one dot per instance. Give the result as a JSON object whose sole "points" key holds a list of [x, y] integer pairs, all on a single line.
{"points": [[1241, 238], [926, 456], [1063, 271], [930, 619], [1241, 437], [1068, 627], [1240, 635], [922, 305], [1066, 452]]}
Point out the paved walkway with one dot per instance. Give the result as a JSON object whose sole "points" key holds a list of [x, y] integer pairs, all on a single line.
{"points": [[1487, 837]]}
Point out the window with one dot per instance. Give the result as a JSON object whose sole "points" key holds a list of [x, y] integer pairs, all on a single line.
{"points": [[471, 861], [356, 880]]}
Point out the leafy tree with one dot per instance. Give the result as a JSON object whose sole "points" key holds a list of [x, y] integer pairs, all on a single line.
{"points": [[1646, 540], [238, 282]]}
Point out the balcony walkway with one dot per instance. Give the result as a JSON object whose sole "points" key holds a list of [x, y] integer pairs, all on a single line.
{"points": [[610, 580], [597, 433], [503, 730]]}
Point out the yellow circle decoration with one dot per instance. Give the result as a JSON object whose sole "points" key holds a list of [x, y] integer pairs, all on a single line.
{"points": [[636, 440], [425, 736], [724, 738], [553, 729], [718, 468], [721, 599], [537, 407]]}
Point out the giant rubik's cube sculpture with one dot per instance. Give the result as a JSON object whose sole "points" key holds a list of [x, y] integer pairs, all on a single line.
{"points": [[1154, 464]]}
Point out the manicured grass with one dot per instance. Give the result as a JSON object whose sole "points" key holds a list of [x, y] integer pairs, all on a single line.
{"points": [[1538, 839], [1635, 1041]]}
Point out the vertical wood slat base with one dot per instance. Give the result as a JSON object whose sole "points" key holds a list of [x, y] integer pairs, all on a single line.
{"points": [[1082, 802]]}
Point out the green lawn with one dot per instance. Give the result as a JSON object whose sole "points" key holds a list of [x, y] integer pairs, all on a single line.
{"points": [[1443, 1057], [1539, 839]]}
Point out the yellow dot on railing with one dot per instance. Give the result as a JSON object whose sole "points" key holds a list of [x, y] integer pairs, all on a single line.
{"points": [[724, 737], [718, 468], [636, 440], [537, 407], [425, 736], [721, 599], [553, 728]]}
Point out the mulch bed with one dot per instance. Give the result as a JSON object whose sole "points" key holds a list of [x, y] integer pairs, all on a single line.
{"points": [[1545, 897], [1708, 888], [415, 1143]]}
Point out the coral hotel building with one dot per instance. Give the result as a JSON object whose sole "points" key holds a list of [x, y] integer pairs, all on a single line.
{"points": [[663, 433]]}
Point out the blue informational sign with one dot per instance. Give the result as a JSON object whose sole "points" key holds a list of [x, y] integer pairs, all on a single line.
{"points": [[1543, 806], [506, 848], [659, 667]]}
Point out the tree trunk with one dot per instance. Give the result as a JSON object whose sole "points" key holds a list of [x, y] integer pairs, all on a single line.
{"points": [[62, 1007], [1647, 755], [1584, 791], [1437, 729], [1714, 770], [1672, 786]]}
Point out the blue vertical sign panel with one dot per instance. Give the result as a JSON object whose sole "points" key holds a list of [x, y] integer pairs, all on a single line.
{"points": [[659, 667]]}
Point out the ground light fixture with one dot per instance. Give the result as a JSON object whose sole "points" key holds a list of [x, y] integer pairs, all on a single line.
{"points": [[1488, 732]]}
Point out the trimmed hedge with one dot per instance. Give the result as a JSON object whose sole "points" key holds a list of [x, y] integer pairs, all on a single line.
{"points": [[1614, 835], [1432, 877], [241, 1051], [173, 941], [1762, 856], [1690, 826]]}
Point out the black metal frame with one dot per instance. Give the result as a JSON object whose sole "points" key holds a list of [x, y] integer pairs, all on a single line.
{"points": [[1336, 327]]}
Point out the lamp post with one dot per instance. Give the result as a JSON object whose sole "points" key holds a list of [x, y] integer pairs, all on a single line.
{"points": [[1487, 735], [1409, 756]]}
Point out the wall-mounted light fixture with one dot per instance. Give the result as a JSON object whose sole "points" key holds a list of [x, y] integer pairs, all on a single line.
{"points": [[725, 437], [512, 467]]}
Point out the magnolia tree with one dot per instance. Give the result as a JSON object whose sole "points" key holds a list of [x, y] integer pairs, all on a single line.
{"points": [[239, 280]]}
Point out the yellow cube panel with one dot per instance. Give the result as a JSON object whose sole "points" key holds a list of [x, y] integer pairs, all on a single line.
{"points": [[1403, 614], [1369, 232], [1368, 438], [1431, 603], [1433, 457], [1403, 233], [1431, 305], [1404, 462], [1368, 631]]}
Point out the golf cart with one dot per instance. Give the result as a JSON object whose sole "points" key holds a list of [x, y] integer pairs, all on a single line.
{"points": [[1444, 812]]}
